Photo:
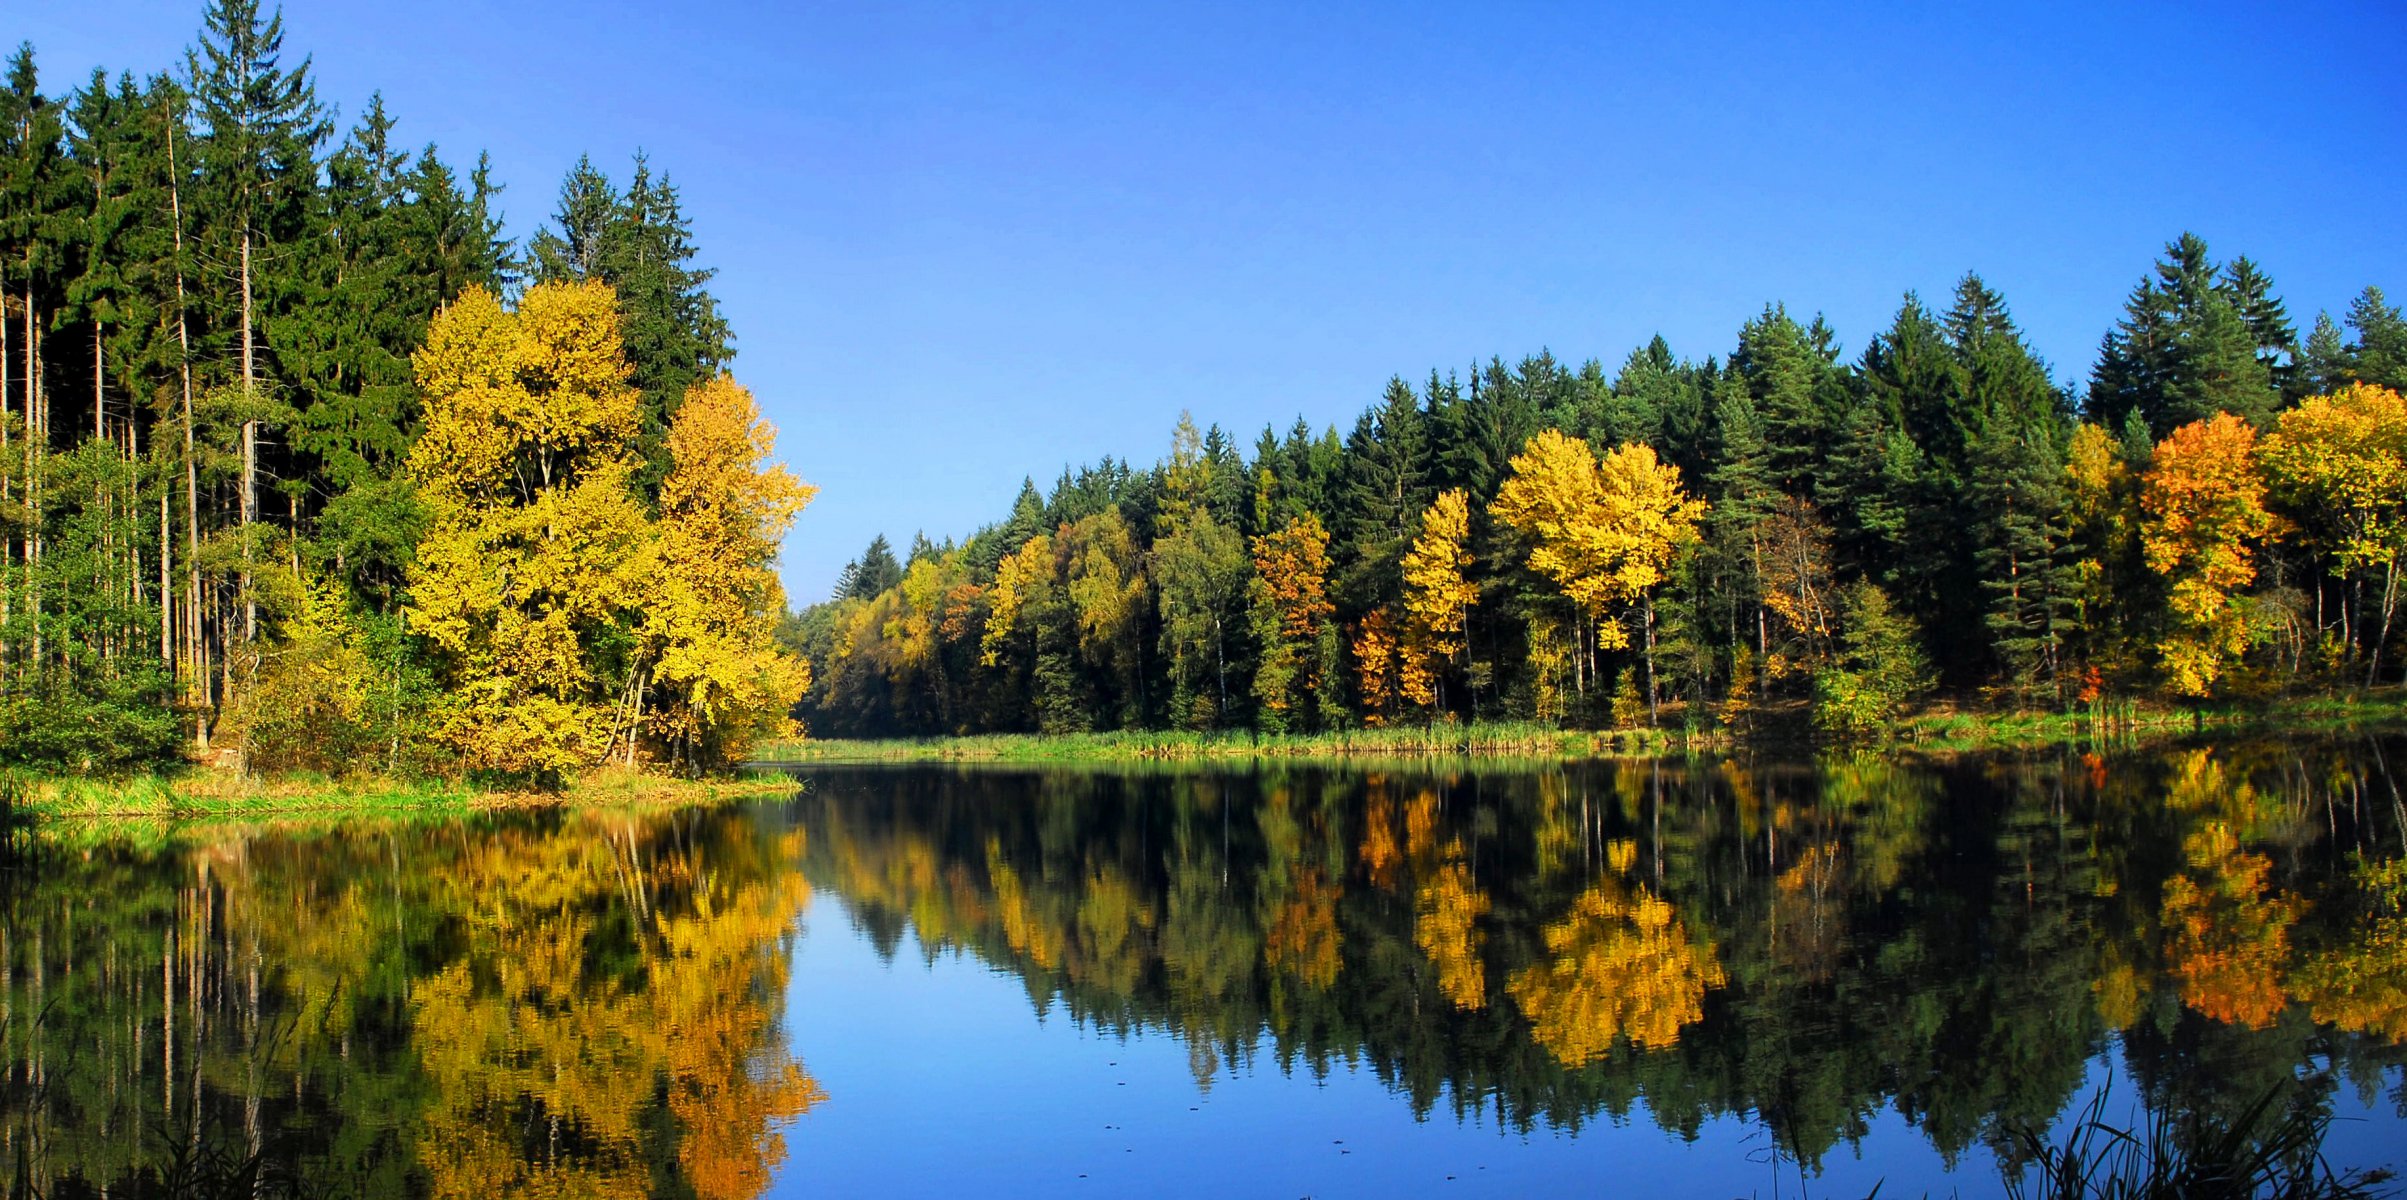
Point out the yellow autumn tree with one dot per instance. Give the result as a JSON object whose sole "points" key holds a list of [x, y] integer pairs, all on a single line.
{"points": [[2203, 502], [2104, 520], [721, 680], [1437, 597], [2343, 458], [536, 547], [1605, 533], [1020, 577], [1376, 677], [1291, 615]]}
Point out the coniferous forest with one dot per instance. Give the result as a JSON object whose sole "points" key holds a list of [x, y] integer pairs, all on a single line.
{"points": [[1783, 529], [308, 466], [304, 466]]}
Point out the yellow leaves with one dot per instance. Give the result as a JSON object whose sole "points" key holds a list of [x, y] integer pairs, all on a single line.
{"points": [[513, 398], [1021, 573], [1437, 596], [710, 613], [2203, 501], [536, 541], [1622, 965], [2345, 457], [1603, 533], [1375, 653], [2361, 983], [1303, 939], [1292, 567], [538, 546]]}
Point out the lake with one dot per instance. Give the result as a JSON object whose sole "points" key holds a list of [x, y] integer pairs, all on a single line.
{"points": [[1720, 978]]}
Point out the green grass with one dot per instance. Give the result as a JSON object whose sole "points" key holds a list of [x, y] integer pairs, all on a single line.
{"points": [[2128, 723], [1945, 731], [1474, 739], [199, 795]]}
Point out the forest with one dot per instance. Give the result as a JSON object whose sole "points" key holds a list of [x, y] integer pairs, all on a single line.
{"points": [[1779, 535], [304, 466]]}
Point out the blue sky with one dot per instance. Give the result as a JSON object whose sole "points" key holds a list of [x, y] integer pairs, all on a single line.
{"points": [[964, 243]]}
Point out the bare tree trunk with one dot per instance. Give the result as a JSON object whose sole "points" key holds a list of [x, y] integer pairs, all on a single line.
{"points": [[2390, 605], [195, 667], [250, 449], [36, 426]]}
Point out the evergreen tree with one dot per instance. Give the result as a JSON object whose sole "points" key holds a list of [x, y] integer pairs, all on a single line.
{"points": [[2380, 355], [2193, 341]]}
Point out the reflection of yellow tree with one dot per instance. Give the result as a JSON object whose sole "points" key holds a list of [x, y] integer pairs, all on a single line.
{"points": [[1380, 855], [2361, 984], [1622, 965], [1446, 911], [2228, 938], [1026, 930], [599, 975], [1303, 938]]}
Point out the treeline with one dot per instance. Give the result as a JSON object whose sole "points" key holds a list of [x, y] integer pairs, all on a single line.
{"points": [[218, 492], [2221, 512]]}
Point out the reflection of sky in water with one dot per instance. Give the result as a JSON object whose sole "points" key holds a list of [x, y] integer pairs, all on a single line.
{"points": [[941, 1080]]}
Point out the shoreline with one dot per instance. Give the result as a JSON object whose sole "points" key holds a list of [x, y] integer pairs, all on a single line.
{"points": [[1935, 732], [200, 795]]}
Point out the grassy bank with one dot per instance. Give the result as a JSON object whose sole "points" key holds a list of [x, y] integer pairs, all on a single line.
{"points": [[1477, 738], [2126, 723], [199, 795], [1937, 731]]}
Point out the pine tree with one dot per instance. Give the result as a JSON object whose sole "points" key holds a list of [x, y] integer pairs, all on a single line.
{"points": [[258, 165], [2380, 355]]}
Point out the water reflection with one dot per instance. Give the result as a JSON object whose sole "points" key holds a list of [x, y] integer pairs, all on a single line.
{"points": [[545, 1005], [1803, 945], [590, 1004]]}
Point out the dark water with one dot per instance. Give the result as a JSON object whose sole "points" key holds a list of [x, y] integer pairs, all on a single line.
{"points": [[1744, 978]]}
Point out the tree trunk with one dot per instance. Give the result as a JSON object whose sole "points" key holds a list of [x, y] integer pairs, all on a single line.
{"points": [[2390, 605], [1653, 712], [192, 668], [250, 450]]}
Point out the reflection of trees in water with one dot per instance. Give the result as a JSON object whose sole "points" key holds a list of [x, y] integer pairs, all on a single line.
{"points": [[544, 1004], [1619, 965], [1800, 944]]}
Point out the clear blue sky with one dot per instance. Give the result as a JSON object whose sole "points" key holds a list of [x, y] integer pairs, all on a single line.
{"points": [[961, 244]]}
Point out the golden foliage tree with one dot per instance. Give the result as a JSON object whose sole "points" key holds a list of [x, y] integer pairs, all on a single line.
{"points": [[1290, 612], [1605, 533], [2343, 457], [710, 619], [2203, 503], [1437, 596], [536, 547]]}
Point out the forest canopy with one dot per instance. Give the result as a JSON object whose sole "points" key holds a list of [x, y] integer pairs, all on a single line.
{"points": [[2218, 513], [305, 465]]}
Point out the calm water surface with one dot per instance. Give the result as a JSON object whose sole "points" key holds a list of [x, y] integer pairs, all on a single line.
{"points": [[1722, 979]]}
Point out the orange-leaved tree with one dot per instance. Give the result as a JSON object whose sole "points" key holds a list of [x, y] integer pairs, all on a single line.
{"points": [[1291, 616], [2203, 502]]}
